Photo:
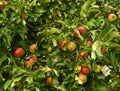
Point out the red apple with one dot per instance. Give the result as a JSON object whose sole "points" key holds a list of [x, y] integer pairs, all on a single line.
{"points": [[112, 17], [84, 70], [19, 52], [83, 55], [33, 47], [30, 62], [82, 29], [62, 45], [89, 43], [49, 80], [33, 57], [77, 34]]}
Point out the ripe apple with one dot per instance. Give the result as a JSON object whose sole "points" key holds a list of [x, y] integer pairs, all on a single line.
{"points": [[89, 43], [1, 7], [83, 55], [71, 46], [84, 70], [19, 52], [33, 47], [112, 17], [82, 77], [6, 2], [49, 80], [103, 50], [82, 29], [77, 34], [62, 45], [33, 57], [30, 62]]}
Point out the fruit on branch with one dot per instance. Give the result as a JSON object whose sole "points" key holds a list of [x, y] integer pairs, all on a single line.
{"points": [[19, 52]]}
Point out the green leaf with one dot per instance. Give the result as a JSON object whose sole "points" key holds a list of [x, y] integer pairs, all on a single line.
{"points": [[34, 2], [7, 84], [100, 88], [114, 62], [53, 30], [96, 47], [21, 30], [18, 79], [55, 80], [44, 1], [7, 36], [3, 58], [55, 52]]}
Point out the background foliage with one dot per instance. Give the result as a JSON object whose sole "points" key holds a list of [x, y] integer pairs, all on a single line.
{"points": [[47, 23]]}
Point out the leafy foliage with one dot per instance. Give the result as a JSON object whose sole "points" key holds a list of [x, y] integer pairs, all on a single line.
{"points": [[49, 22]]}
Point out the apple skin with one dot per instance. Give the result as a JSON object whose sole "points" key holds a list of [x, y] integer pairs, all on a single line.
{"points": [[78, 68], [30, 62], [49, 80], [84, 70], [82, 30], [1, 7], [83, 55], [112, 17], [62, 44], [33, 57], [104, 50], [98, 69], [89, 43], [6, 2], [33, 47], [19, 52], [83, 77], [71, 46], [76, 33]]}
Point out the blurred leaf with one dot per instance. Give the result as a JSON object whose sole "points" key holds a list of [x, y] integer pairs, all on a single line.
{"points": [[3, 58], [7, 84], [100, 88]]}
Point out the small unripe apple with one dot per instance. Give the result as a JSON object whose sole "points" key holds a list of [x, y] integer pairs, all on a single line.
{"points": [[49, 49], [78, 68], [98, 69], [112, 17]]}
